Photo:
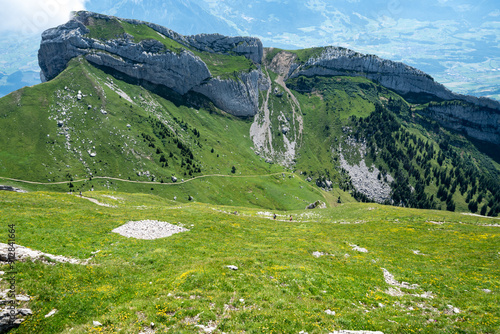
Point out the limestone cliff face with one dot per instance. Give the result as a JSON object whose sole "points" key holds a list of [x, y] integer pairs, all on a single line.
{"points": [[396, 76], [150, 61], [477, 122], [228, 94]]}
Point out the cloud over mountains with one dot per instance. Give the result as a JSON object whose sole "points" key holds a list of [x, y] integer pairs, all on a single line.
{"points": [[29, 17]]}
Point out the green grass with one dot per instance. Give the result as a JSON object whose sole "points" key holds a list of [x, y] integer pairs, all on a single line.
{"points": [[273, 191], [303, 55], [105, 29], [180, 281]]}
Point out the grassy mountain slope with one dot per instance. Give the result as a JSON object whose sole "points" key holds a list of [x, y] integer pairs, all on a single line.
{"points": [[135, 135], [182, 281], [89, 127]]}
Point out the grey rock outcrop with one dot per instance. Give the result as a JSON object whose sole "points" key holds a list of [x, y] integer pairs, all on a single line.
{"points": [[480, 123], [228, 94], [249, 47], [7, 322], [396, 76], [10, 188], [318, 204], [150, 62]]}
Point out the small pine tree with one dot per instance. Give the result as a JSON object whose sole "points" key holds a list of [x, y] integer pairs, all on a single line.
{"points": [[473, 206], [450, 206], [233, 170], [483, 209]]}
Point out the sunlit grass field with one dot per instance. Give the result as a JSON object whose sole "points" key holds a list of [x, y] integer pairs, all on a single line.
{"points": [[182, 285]]}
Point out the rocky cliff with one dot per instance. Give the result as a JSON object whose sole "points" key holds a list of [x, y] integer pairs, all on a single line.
{"points": [[151, 61], [477, 122]]}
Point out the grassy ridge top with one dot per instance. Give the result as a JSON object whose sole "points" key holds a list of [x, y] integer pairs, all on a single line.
{"points": [[182, 281]]}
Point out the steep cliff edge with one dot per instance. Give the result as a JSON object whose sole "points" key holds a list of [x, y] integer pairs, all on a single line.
{"points": [[224, 69]]}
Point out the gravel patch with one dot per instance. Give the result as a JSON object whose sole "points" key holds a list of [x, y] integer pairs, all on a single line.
{"points": [[364, 178], [396, 291], [389, 279], [148, 229]]}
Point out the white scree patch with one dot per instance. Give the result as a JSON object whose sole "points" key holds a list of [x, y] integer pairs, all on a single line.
{"points": [[148, 229]]}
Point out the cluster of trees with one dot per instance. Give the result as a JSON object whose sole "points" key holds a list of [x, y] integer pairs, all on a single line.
{"points": [[415, 163], [167, 137], [390, 144]]}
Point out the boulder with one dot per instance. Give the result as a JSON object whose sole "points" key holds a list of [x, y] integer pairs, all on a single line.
{"points": [[318, 204]]}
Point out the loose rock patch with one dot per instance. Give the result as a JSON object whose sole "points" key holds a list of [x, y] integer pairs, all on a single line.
{"points": [[24, 253], [148, 229]]}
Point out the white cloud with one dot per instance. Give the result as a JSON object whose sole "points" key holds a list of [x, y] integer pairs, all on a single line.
{"points": [[316, 5], [247, 18], [464, 8], [34, 16], [307, 29], [495, 13]]}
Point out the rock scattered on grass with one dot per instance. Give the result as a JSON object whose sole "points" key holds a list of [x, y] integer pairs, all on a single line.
{"points": [[318, 254], [389, 279], [318, 204], [208, 328], [396, 291], [359, 249], [7, 324], [51, 313], [417, 252], [452, 309], [25, 253], [232, 267]]}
